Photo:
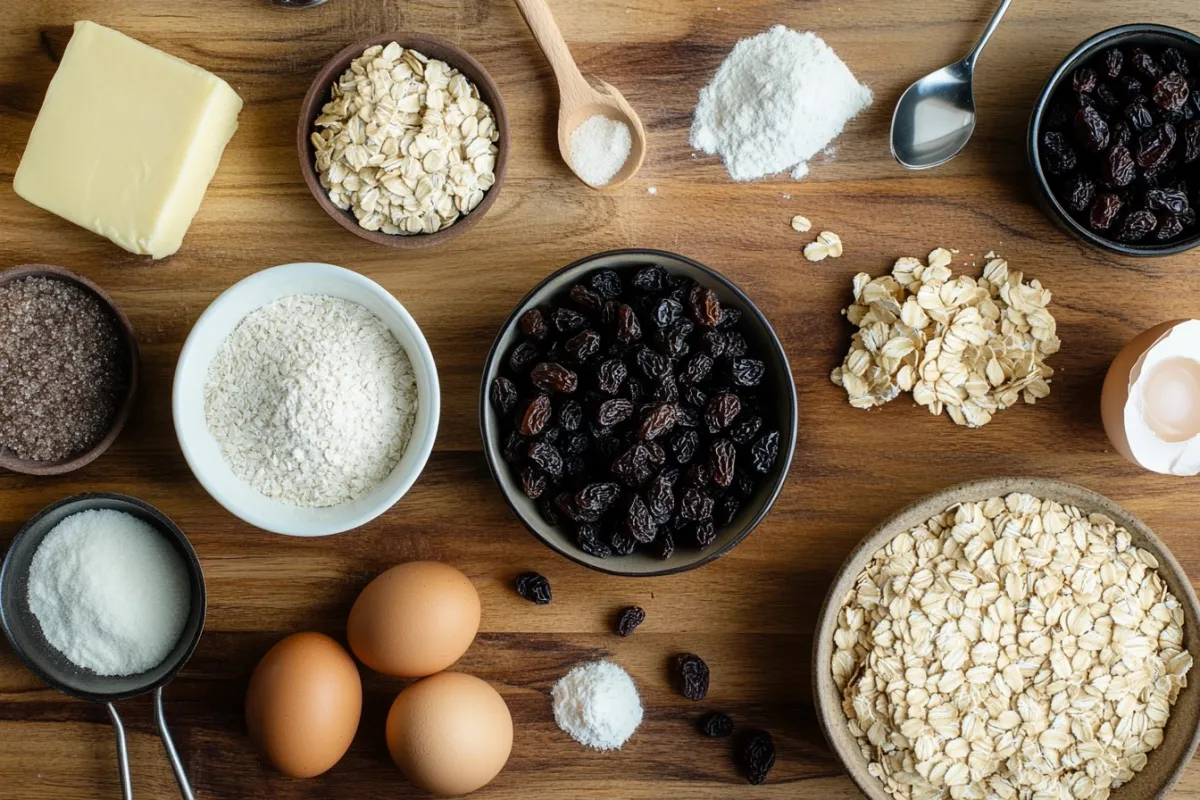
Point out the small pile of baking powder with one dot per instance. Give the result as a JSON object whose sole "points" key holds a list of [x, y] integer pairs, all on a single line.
{"points": [[109, 592], [778, 99], [312, 400], [598, 705], [599, 148]]}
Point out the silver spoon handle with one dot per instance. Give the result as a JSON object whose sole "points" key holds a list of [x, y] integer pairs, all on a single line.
{"points": [[122, 753], [987, 33], [160, 722]]}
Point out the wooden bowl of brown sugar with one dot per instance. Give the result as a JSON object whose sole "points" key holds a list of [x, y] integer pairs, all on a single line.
{"points": [[68, 370]]}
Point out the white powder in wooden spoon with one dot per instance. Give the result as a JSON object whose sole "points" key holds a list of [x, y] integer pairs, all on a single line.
{"points": [[599, 148]]}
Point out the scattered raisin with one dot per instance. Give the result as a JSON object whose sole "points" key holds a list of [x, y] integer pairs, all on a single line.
{"points": [[755, 755], [691, 676], [629, 619], [534, 588], [716, 725]]}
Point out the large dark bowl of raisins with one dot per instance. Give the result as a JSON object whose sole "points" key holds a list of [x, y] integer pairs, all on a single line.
{"points": [[1114, 141], [638, 413]]}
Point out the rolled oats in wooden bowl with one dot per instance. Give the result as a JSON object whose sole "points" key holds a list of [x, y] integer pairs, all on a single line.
{"points": [[1010, 638]]}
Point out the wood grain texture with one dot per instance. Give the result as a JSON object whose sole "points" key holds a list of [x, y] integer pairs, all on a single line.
{"points": [[751, 614]]}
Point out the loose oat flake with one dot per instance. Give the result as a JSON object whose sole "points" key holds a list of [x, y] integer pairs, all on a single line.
{"points": [[1009, 648], [960, 345]]}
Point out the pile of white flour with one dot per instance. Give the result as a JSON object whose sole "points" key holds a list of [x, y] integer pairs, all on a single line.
{"points": [[778, 99], [312, 400]]}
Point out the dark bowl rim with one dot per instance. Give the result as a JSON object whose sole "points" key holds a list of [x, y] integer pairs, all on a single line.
{"points": [[27, 467], [706, 556], [316, 95], [1080, 52], [195, 571]]}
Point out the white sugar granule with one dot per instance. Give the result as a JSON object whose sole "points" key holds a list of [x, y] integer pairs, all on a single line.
{"points": [[312, 400], [110, 592], [778, 99], [598, 705], [599, 148]]}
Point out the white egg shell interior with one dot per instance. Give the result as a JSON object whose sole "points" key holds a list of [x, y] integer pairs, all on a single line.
{"points": [[1167, 399]]}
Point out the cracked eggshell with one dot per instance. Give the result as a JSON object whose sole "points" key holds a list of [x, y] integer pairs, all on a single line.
{"points": [[1123, 400]]}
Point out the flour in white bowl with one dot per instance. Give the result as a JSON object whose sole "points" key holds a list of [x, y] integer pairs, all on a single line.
{"points": [[778, 99]]}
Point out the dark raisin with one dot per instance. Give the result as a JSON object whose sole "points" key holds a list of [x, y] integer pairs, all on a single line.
{"points": [[1059, 115], [716, 725], [650, 279], [713, 343], [666, 312], [1137, 226], [588, 537], [1057, 154], [1171, 91], [635, 390], [663, 546], [570, 415], [684, 445], [1084, 80], [1155, 145], [534, 588], [1128, 86], [1174, 201], [722, 409], [586, 299], [638, 521], [548, 510], [722, 458], [730, 316], [536, 415], [735, 344], [764, 451], [1169, 226], [633, 466], [550, 434], [1139, 117], [748, 372], [674, 340], [755, 755], [567, 320], [696, 369], [743, 484], [657, 420], [583, 345], [660, 495], [695, 396], [1091, 130], [597, 497], [1117, 167], [745, 429], [1191, 141], [727, 508], [695, 505], [698, 476], [621, 543], [523, 357], [554, 377], [1113, 62], [688, 418], [533, 482], [611, 375], [627, 326], [1104, 212], [1077, 192], [606, 283], [565, 502], [547, 457], [503, 395], [533, 324], [705, 307], [653, 364], [1144, 64], [705, 533], [1174, 61], [1119, 134], [614, 412], [1106, 98], [691, 676], [515, 448], [628, 620]]}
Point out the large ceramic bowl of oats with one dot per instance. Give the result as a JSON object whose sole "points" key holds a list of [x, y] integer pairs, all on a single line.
{"points": [[1010, 638]]}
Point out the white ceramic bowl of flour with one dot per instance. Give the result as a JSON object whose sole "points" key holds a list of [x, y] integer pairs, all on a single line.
{"points": [[200, 447]]}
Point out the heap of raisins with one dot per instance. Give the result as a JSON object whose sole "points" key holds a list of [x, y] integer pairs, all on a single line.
{"points": [[630, 410], [1121, 144]]}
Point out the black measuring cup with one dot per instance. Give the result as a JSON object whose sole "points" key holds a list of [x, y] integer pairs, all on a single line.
{"points": [[27, 639]]}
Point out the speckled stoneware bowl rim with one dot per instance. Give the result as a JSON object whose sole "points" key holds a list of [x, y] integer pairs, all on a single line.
{"points": [[318, 95], [9, 461], [1050, 202], [765, 496], [184, 648], [827, 697]]}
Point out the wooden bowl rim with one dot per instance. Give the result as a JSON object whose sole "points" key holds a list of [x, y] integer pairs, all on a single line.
{"points": [[827, 697], [27, 467], [434, 47]]}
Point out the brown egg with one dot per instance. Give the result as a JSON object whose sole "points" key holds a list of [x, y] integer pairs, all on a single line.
{"points": [[303, 704], [414, 620], [450, 733]]}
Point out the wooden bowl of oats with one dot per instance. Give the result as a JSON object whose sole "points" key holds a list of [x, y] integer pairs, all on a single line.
{"points": [[1008, 636], [428, 159]]}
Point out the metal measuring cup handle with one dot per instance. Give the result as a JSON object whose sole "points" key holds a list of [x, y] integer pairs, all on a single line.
{"points": [[160, 723]]}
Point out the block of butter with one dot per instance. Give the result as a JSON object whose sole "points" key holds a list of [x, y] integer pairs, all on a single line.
{"points": [[127, 140]]}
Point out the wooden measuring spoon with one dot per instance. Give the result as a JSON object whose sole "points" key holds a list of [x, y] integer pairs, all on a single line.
{"points": [[579, 100]]}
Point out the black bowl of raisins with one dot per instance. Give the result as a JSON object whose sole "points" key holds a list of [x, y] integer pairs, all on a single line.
{"points": [[1114, 141], [638, 413]]}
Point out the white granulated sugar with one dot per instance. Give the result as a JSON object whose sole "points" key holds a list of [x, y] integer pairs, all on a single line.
{"points": [[778, 99], [312, 400], [110, 592], [598, 705], [599, 148]]}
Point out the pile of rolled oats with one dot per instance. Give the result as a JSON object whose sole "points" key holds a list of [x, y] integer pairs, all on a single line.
{"points": [[1012, 648], [405, 143], [968, 347]]}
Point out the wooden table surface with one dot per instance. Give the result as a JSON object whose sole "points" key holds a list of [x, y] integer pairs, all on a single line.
{"points": [[750, 614]]}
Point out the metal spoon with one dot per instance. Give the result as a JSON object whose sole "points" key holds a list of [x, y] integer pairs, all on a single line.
{"points": [[936, 115]]}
